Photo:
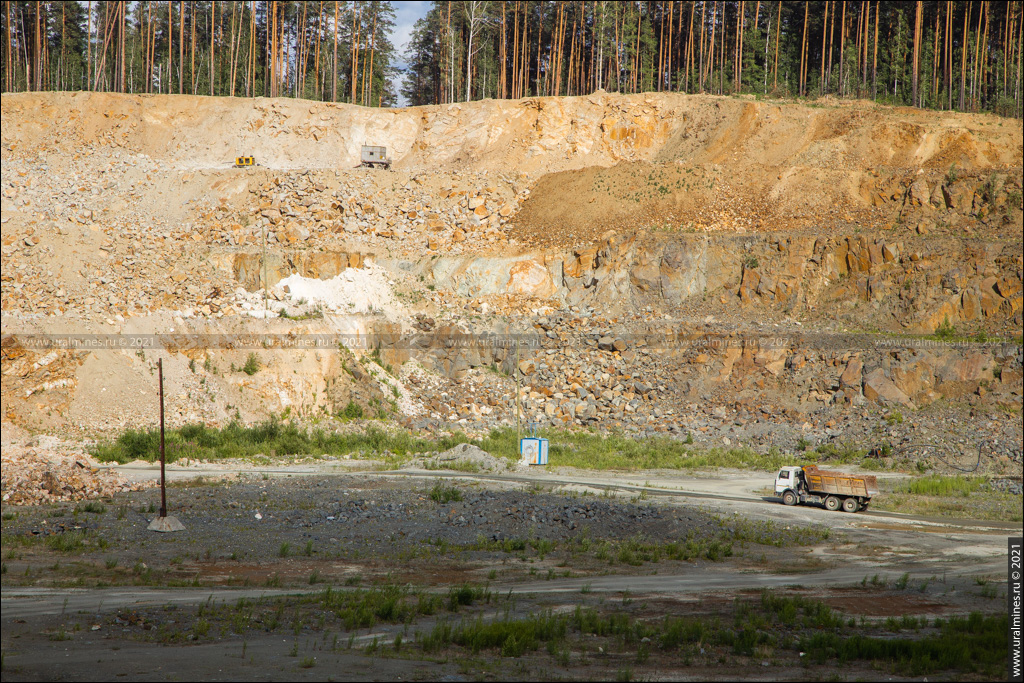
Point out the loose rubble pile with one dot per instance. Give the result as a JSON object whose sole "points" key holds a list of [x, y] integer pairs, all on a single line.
{"points": [[45, 470], [459, 212], [463, 456]]}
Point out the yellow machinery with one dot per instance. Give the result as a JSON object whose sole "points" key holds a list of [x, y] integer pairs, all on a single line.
{"points": [[244, 161]]}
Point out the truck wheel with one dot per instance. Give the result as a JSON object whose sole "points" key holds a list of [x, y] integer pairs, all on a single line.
{"points": [[850, 505], [832, 504], [789, 498]]}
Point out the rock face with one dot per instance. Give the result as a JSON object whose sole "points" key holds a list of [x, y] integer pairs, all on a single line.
{"points": [[671, 263], [530, 278], [247, 268], [923, 285]]}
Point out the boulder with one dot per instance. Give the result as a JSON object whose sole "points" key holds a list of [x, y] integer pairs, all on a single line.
{"points": [[913, 377], [1007, 287], [990, 302], [646, 274], [920, 193], [682, 269], [530, 278], [851, 376], [292, 233], [879, 388], [969, 305]]}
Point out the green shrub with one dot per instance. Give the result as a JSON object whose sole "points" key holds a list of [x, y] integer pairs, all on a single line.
{"points": [[445, 494], [252, 364], [67, 542], [945, 330]]}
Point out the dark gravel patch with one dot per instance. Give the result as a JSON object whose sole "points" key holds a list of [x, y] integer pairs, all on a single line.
{"points": [[365, 520]]}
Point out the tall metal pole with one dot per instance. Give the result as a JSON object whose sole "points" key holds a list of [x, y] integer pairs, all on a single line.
{"points": [[163, 476], [517, 371]]}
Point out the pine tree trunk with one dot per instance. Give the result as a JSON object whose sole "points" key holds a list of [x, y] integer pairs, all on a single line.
{"points": [[121, 84], [822, 85], [935, 60], [739, 52], [977, 52], [983, 71], [373, 48], [232, 52], [916, 50], [803, 53], [501, 55], [703, 23], [1017, 80], [711, 55], [874, 62], [842, 52], [963, 59], [334, 66], [689, 49], [514, 74], [354, 61], [867, 29]]}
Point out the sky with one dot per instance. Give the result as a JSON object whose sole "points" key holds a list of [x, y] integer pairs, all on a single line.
{"points": [[406, 16]]}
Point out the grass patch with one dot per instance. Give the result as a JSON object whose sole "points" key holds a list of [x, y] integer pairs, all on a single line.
{"points": [[95, 507], [361, 609], [593, 451], [951, 496], [67, 542], [781, 626], [584, 450], [977, 644], [272, 437], [715, 544], [442, 493], [510, 637], [939, 485]]}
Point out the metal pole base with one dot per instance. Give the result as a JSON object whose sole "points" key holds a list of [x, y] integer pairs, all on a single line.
{"points": [[166, 524]]}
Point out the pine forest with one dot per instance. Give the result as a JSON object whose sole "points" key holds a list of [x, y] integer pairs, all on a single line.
{"points": [[963, 55]]}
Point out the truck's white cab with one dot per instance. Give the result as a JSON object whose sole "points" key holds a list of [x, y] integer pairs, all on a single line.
{"points": [[787, 479]]}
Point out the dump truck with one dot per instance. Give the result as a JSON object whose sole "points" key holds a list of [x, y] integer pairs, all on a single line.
{"points": [[834, 490], [372, 156]]}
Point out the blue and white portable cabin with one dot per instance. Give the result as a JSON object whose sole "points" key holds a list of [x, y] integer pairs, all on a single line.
{"points": [[534, 449]]}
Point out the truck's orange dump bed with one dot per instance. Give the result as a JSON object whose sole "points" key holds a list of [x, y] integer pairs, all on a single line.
{"points": [[840, 483]]}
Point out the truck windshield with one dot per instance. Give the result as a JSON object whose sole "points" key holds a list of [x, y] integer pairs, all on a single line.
{"points": [[784, 474]]}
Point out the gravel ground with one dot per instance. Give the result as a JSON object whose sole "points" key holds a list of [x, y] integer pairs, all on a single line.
{"points": [[367, 538], [252, 528]]}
